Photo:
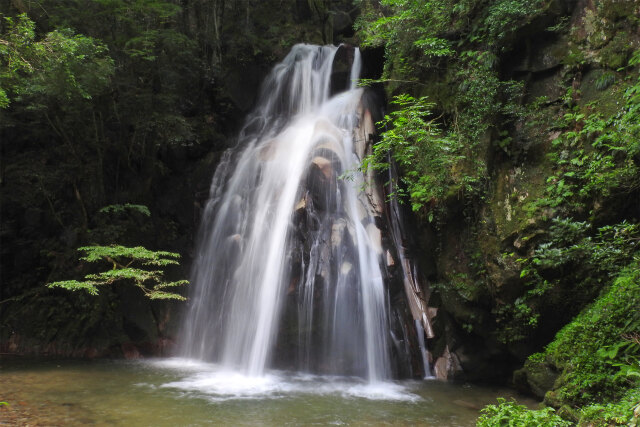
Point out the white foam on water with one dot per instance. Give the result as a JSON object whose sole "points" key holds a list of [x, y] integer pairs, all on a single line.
{"points": [[218, 383], [181, 363]]}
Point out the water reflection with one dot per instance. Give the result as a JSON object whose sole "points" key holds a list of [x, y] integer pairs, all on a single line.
{"points": [[174, 392]]}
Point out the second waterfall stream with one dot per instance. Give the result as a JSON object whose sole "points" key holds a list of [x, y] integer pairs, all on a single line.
{"points": [[289, 268]]}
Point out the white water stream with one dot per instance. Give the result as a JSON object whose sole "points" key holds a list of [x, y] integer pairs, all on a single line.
{"points": [[281, 226]]}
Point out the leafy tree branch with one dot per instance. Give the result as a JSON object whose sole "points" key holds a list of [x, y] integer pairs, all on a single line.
{"points": [[129, 264]]}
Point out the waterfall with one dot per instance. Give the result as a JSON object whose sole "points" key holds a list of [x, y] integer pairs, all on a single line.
{"points": [[290, 259]]}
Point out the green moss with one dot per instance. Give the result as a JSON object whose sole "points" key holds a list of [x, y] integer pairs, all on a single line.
{"points": [[597, 356], [587, 373], [574, 57], [625, 411], [617, 52], [615, 10], [569, 155], [512, 201], [537, 376], [592, 92], [595, 29]]}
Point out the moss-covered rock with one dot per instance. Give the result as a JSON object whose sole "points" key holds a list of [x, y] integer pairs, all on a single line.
{"points": [[536, 378], [589, 351]]}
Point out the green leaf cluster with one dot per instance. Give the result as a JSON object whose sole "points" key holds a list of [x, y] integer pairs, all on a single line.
{"points": [[60, 67], [426, 156], [504, 17], [129, 264], [625, 412], [510, 414], [408, 25], [118, 209], [401, 25]]}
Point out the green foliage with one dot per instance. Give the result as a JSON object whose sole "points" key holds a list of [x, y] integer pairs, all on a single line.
{"points": [[425, 155], [403, 25], [106, 101], [570, 244], [118, 209], [594, 160], [483, 97], [605, 80], [594, 156], [123, 259], [578, 246], [594, 352], [123, 223], [507, 414], [65, 319], [598, 357], [157, 11], [503, 17], [60, 67], [571, 257], [411, 26], [463, 38], [626, 411]]}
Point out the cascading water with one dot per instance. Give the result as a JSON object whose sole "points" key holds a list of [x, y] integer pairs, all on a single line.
{"points": [[281, 226]]}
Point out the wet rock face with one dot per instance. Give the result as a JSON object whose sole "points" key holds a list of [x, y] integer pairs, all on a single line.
{"points": [[322, 180], [340, 73], [535, 378], [323, 258]]}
